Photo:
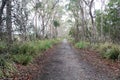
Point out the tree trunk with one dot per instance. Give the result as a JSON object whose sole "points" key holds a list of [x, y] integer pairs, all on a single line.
{"points": [[1, 9], [92, 21], [1, 13], [9, 22], [102, 36]]}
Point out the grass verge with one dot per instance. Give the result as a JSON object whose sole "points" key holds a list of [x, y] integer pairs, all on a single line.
{"points": [[106, 50], [22, 54]]}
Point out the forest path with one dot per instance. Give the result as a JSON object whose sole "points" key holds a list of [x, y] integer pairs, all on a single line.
{"points": [[67, 64]]}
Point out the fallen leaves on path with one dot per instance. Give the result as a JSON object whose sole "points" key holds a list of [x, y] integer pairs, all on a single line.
{"points": [[105, 65], [34, 69]]}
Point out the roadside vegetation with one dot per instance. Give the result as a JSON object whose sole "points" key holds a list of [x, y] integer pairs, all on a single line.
{"points": [[30, 27], [106, 50], [82, 45], [27, 29], [22, 54], [99, 30]]}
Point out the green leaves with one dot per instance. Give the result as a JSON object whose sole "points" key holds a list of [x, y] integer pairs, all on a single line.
{"points": [[111, 20], [56, 23], [108, 50], [82, 44], [38, 5], [23, 59]]}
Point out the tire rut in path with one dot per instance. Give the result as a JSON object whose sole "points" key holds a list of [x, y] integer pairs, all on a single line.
{"points": [[65, 64]]}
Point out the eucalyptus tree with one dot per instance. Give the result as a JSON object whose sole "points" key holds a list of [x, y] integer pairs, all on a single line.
{"points": [[9, 21], [6, 20], [15, 19], [80, 13], [56, 21], [2, 7], [74, 8], [45, 10], [90, 4], [102, 5], [21, 18], [111, 21], [114, 19], [3, 4]]}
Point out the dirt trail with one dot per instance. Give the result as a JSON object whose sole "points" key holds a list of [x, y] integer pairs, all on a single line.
{"points": [[66, 64]]}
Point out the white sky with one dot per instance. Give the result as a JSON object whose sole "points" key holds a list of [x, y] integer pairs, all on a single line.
{"points": [[98, 5]]}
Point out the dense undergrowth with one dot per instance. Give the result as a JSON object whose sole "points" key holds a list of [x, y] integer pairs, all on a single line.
{"points": [[82, 45], [22, 54], [106, 50]]}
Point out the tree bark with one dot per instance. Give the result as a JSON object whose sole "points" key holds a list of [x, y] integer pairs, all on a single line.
{"points": [[92, 21], [1, 9], [9, 22]]}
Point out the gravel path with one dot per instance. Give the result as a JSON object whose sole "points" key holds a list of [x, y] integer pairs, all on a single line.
{"points": [[66, 64]]}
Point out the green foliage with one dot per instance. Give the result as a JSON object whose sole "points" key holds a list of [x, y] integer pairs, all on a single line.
{"points": [[25, 48], [71, 40], [82, 44], [56, 23], [6, 67], [23, 59], [44, 45], [95, 47], [23, 53], [72, 32], [108, 50], [15, 48], [103, 47], [112, 53], [3, 46], [111, 20], [32, 48], [38, 5], [105, 24]]}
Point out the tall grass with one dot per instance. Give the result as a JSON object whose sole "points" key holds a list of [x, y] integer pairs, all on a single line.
{"points": [[82, 44], [6, 67], [22, 54], [23, 59], [108, 50], [3, 47]]}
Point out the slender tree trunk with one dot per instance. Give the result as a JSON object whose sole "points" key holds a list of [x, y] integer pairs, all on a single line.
{"points": [[36, 20], [9, 22], [81, 5], [83, 24], [102, 1], [93, 23], [43, 27], [1, 13], [77, 31], [1, 9]]}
